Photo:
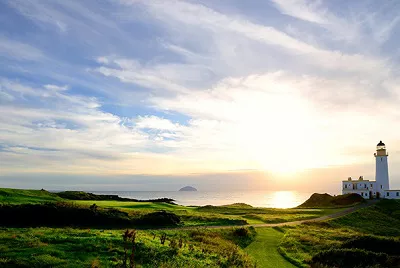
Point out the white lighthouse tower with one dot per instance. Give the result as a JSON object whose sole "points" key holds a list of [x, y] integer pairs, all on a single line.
{"points": [[382, 171]]}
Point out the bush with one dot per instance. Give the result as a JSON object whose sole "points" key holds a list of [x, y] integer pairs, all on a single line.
{"points": [[60, 214], [241, 232], [349, 258], [389, 246], [242, 236], [159, 218]]}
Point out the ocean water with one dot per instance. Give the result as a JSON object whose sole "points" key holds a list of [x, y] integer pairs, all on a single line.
{"points": [[271, 199]]}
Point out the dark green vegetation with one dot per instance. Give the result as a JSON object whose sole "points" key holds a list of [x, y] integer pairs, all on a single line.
{"points": [[368, 237], [328, 201], [69, 214], [79, 195], [17, 196]]}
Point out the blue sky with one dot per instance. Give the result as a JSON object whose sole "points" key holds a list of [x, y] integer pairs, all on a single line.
{"points": [[152, 95]]}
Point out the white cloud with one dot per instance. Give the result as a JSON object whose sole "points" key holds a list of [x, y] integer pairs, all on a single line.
{"points": [[16, 50], [154, 122], [303, 9], [172, 76], [56, 88]]}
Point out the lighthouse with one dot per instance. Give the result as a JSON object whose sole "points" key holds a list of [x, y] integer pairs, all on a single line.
{"points": [[373, 189], [381, 171]]}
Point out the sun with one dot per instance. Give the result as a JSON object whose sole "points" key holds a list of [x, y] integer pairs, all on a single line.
{"points": [[284, 199]]}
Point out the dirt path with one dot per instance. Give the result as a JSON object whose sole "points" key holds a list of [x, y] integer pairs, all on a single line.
{"points": [[323, 218]]}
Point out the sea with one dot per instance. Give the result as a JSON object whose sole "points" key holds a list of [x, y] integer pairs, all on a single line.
{"points": [[270, 199]]}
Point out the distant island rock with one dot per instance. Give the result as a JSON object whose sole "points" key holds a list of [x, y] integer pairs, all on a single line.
{"points": [[188, 189]]}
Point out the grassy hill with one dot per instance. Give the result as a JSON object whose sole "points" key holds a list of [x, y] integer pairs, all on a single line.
{"points": [[18, 196], [328, 201], [311, 242], [381, 219]]}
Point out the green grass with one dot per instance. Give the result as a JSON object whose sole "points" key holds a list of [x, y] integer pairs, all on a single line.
{"points": [[53, 247], [264, 249], [380, 219], [302, 242], [17, 196]]}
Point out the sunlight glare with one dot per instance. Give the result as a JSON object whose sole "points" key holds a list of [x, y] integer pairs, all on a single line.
{"points": [[284, 199]]}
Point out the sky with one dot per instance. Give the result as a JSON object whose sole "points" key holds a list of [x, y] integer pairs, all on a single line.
{"points": [[218, 94]]}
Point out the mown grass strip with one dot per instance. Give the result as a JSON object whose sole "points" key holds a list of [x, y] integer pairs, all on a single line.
{"points": [[264, 250]]}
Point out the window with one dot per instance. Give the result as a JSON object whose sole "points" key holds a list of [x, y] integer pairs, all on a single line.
{"points": [[365, 186], [387, 194], [345, 186], [371, 186], [397, 194], [381, 186]]}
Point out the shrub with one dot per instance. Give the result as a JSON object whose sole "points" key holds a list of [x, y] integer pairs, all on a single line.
{"points": [[159, 218], [242, 236], [389, 246], [348, 258], [60, 214]]}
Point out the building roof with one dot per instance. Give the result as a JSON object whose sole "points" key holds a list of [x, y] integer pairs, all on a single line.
{"points": [[358, 181], [380, 144]]}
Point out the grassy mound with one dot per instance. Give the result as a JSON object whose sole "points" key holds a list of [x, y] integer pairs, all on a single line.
{"points": [[21, 196], [159, 218], [14, 196], [326, 200], [79, 195], [239, 205]]}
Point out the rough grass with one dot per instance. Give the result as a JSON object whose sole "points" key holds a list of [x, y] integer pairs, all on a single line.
{"points": [[301, 243], [380, 219], [52, 247]]}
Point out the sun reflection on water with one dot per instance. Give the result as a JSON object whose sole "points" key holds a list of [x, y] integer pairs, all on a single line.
{"points": [[284, 199]]}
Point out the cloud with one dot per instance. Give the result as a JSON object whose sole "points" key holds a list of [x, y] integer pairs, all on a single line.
{"points": [[179, 87], [154, 122], [179, 13], [65, 123], [16, 50], [305, 10]]}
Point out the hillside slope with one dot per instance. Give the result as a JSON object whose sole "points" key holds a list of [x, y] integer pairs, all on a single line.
{"points": [[328, 201], [19, 196]]}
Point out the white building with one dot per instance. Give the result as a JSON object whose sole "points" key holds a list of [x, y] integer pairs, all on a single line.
{"points": [[373, 189]]}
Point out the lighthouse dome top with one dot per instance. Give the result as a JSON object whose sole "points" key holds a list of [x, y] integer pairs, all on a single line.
{"points": [[380, 144]]}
